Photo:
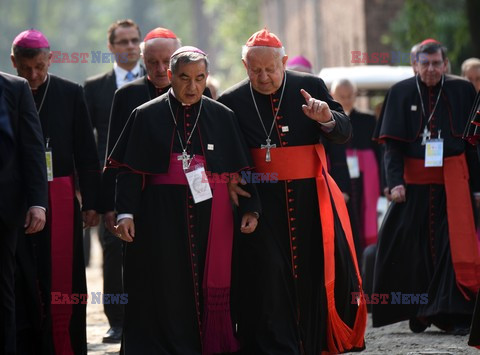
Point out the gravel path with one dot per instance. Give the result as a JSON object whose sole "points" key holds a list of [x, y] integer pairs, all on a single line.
{"points": [[392, 340]]}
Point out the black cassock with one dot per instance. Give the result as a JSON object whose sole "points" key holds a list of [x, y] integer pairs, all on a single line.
{"points": [[279, 313], [368, 153], [414, 255], [163, 269], [472, 134], [66, 125], [126, 99]]}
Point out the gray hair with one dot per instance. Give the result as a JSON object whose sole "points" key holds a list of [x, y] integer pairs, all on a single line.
{"points": [[185, 58], [470, 63], [280, 51], [142, 44]]}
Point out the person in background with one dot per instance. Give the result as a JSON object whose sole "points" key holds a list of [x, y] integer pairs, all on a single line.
{"points": [[471, 71], [124, 44]]}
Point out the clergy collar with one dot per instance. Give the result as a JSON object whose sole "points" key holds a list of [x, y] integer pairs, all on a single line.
{"points": [[171, 93], [436, 86], [41, 87]]}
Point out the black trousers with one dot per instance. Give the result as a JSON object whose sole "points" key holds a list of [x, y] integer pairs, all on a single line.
{"points": [[8, 242], [112, 274]]}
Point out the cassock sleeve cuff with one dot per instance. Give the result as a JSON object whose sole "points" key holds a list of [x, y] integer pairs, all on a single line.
{"points": [[41, 207], [123, 216], [328, 126]]}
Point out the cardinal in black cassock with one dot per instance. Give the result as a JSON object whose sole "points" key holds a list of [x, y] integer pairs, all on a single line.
{"points": [[427, 244], [300, 288]]}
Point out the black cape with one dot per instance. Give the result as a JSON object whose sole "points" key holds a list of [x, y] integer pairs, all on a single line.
{"points": [[413, 254], [278, 313], [126, 99], [66, 124], [163, 270]]}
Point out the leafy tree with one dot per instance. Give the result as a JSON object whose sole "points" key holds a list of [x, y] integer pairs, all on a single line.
{"points": [[443, 20]]}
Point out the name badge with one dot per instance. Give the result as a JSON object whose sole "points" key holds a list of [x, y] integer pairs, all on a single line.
{"points": [[413, 108], [285, 128], [199, 187], [49, 161], [353, 167], [434, 153]]}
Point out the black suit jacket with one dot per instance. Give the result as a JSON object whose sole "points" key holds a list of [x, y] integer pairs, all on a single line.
{"points": [[99, 91], [23, 182]]}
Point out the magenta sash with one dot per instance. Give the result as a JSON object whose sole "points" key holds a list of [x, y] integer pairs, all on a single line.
{"points": [[61, 195], [371, 185], [217, 331]]}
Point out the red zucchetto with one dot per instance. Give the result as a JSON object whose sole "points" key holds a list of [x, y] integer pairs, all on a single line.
{"points": [[31, 39], [264, 38], [160, 32], [429, 40]]}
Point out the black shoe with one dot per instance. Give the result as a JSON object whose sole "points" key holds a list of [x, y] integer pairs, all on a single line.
{"points": [[416, 325], [114, 335]]}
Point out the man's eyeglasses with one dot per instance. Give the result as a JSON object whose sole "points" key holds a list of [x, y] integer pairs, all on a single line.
{"points": [[125, 42], [435, 64]]}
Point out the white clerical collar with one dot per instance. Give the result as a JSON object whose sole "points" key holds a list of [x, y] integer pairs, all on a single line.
{"points": [[173, 94]]}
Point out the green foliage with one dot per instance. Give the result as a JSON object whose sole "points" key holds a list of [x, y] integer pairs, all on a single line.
{"points": [[443, 20], [235, 21]]}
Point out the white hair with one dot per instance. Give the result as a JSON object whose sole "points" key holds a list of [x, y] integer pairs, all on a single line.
{"points": [[279, 51], [343, 82]]}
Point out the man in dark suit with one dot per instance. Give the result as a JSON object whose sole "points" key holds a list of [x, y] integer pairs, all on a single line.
{"points": [[6, 134], [23, 183], [124, 44]]}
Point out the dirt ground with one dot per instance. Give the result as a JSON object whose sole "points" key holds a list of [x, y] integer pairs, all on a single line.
{"points": [[392, 340]]}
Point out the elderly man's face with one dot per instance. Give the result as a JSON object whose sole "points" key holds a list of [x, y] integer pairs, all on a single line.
{"points": [[265, 69], [189, 81], [431, 67], [33, 69], [156, 56]]}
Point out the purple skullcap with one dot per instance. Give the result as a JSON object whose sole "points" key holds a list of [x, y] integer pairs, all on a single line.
{"points": [[188, 49], [31, 39], [299, 61]]}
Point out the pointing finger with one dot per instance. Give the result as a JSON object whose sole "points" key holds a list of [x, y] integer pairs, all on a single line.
{"points": [[306, 95]]}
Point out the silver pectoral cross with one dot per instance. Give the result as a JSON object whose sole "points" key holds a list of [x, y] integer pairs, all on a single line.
{"points": [[268, 146], [426, 135], [185, 158]]}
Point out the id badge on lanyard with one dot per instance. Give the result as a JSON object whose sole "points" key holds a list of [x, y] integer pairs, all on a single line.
{"points": [[49, 161], [199, 186], [434, 153]]}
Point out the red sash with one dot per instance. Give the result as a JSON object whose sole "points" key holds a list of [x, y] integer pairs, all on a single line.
{"points": [[61, 194], [309, 161], [217, 331], [461, 226]]}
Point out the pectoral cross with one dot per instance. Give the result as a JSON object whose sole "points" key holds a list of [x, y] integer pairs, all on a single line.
{"points": [[185, 158], [426, 135], [268, 146]]}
